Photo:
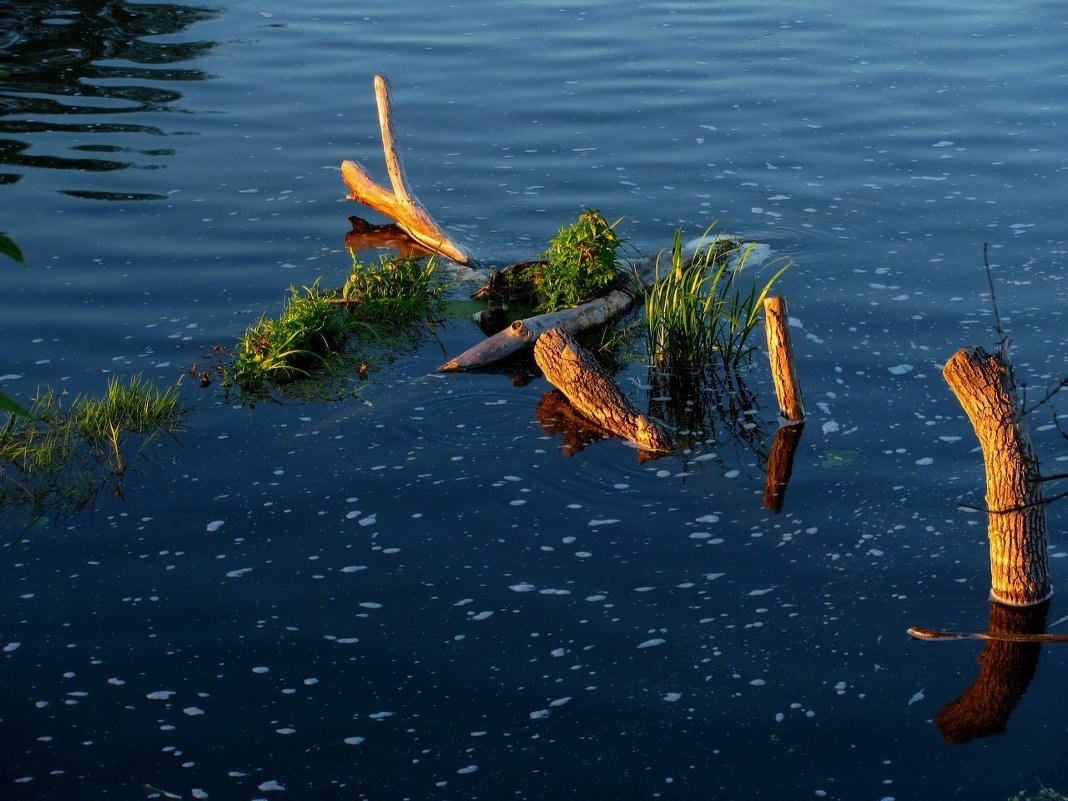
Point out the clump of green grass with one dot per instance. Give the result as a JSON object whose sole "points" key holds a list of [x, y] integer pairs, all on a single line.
{"points": [[312, 331], [582, 260], [699, 313], [51, 459]]}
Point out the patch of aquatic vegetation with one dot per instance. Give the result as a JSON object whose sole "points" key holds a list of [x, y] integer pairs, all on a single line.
{"points": [[55, 460], [581, 262], [377, 305], [700, 311]]}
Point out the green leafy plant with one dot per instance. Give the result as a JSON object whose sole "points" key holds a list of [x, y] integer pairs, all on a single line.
{"points": [[698, 313], [11, 250], [312, 331], [51, 458], [580, 263]]}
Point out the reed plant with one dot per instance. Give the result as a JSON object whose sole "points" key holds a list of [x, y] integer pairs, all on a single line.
{"points": [[51, 459], [699, 312]]}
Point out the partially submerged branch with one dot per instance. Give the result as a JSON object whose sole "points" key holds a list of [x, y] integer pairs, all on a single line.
{"points": [[400, 203]]}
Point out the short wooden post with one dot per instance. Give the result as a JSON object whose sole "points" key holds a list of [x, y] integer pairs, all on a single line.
{"points": [[780, 354], [1016, 527]]}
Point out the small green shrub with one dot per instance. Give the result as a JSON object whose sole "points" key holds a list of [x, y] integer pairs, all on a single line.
{"points": [[697, 313], [580, 262]]}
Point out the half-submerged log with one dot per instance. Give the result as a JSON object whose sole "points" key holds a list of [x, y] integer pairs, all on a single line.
{"points": [[524, 333], [575, 372], [400, 203], [1016, 527]]}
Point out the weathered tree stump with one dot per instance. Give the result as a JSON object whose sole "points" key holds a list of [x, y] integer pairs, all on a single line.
{"points": [[780, 354], [575, 372], [1016, 528]]}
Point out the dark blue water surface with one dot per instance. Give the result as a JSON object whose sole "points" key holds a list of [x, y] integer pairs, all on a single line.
{"points": [[415, 593]]}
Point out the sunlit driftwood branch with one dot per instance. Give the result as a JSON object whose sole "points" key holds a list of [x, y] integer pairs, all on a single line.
{"points": [[400, 203]]}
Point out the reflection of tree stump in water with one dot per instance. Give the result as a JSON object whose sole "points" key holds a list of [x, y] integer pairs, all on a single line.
{"points": [[556, 415], [1005, 671], [780, 465]]}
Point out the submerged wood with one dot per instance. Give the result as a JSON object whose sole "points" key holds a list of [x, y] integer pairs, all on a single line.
{"points": [[368, 236], [1016, 515], [400, 203], [524, 333], [575, 372]]}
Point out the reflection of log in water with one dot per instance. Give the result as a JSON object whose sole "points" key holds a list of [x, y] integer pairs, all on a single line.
{"points": [[1005, 671], [780, 465], [368, 236], [556, 415]]}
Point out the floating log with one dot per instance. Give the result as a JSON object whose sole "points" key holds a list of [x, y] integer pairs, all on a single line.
{"points": [[523, 333], [575, 372], [780, 354], [400, 203], [1016, 527]]}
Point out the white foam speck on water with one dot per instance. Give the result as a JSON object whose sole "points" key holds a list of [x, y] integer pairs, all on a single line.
{"points": [[11, 646], [762, 592], [708, 519], [353, 740], [159, 695], [215, 525], [663, 473], [261, 669], [464, 602], [353, 568], [607, 521], [916, 697], [286, 730], [371, 605], [239, 572], [652, 643], [732, 474], [926, 460], [370, 520], [199, 794], [901, 369], [757, 682], [672, 697], [560, 701], [779, 717], [193, 711], [116, 682], [380, 715], [468, 769], [539, 714], [270, 786], [522, 587], [830, 427], [311, 681], [481, 615], [354, 513], [713, 576], [943, 143]]}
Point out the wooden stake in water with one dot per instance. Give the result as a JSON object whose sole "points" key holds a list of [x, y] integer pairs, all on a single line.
{"points": [[1016, 527], [780, 354]]}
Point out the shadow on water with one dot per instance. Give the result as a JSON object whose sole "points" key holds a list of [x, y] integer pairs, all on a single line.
{"points": [[82, 75]]}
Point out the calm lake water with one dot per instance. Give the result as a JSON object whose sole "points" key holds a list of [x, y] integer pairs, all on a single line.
{"points": [[415, 593]]}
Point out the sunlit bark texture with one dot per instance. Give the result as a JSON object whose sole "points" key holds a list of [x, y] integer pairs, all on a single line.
{"points": [[575, 372], [1005, 671], [780, 354], [1019, 568]]}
